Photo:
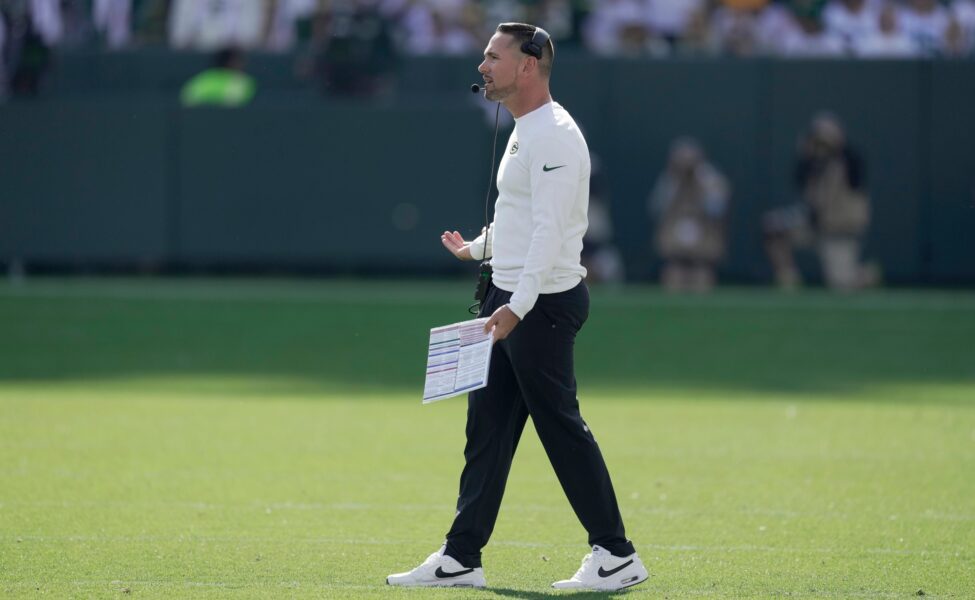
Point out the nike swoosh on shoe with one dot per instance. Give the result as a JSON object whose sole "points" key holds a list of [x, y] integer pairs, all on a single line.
{"points": [[604, 573], [441, 574]]}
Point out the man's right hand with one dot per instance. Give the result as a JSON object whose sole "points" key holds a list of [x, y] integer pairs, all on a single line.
{"points": [[454, 242]]}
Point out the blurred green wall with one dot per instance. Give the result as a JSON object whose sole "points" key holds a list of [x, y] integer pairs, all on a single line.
{"points": [[106, 169]]}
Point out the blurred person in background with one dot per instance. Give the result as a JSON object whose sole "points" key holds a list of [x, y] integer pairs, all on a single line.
{"points": [[499, 11], [285, 17], [617, 28], [926, 22], [428, 27], [832, 215], [774, 22], [735, 27], [956, 42], [668, 20], [561, 18], [352, 50], [700, 38], [32, 27], [851, 20], [600, 256], [412, 25], [112, 20], [963, 12], [887, 41], [210, 25], [811, 39], [439, 32], [689, 204], [46, 19], [225, 84], [76, 23], [3, 56], [150, 21], [451, 35]]}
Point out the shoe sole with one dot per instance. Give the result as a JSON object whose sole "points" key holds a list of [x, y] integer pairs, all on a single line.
{"points": [[436, 585], [596, 589], [629, 585]]}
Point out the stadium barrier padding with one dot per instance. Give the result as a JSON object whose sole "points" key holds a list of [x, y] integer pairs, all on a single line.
{"points": [[106, 167]]}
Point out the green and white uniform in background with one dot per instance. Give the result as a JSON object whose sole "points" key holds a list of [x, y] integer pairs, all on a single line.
{"points": [[218, 87]]}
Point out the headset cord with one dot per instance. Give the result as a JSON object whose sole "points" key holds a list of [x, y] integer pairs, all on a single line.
{"points": [[484, 274]]}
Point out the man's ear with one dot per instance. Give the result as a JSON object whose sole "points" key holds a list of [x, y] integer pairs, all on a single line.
{"points": [[530, 64]]}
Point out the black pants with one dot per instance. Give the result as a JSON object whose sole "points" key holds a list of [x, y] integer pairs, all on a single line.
{"points": [[532, 374]]}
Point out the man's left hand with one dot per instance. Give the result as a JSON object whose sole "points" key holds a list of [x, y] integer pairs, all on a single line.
{"points": [[503, 321]]}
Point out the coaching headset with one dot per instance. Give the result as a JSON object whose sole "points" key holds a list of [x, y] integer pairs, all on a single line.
{"points": [[534, 46]]}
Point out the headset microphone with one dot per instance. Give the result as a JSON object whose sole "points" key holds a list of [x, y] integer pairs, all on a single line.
{"points": [[475, 88]]}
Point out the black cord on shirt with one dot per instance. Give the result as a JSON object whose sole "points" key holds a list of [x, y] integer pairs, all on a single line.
{"points": [[484, 273]]}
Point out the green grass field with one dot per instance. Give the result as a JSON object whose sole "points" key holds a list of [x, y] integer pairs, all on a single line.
{"points": [[253, 439]]}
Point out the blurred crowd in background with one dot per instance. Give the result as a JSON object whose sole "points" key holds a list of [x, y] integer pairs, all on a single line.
{"points": [[351, 44], [689, 207], [659, 28]]}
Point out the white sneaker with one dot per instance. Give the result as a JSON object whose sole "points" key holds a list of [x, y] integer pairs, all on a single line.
{"points": [[439, 570], [601, 570]]}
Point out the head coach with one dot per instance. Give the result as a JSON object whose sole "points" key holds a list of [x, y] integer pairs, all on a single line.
{"points": [[537, 302]]}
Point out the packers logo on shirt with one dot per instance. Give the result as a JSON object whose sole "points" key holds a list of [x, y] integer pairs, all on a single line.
{"points": [[514, 148]]}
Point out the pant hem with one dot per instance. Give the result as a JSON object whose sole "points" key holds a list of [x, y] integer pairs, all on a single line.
{"points": [[467, 562]]}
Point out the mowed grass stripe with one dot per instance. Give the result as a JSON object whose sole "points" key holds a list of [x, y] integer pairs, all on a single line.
{"points": [[456, 292], [911, 345], [311, 541], [360, 507]]}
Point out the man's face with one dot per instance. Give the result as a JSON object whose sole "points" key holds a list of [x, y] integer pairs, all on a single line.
{"points": [[501, 66]]}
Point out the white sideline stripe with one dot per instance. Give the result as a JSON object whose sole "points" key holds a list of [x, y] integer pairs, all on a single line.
{"points": [[164, 292], [354, 586], [255, 506], [238, 539], [510, 543], [354, 506], [410, 293], [213, 584], [351, 506]]}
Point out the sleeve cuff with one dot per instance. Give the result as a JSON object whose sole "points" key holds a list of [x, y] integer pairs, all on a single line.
{"points": [[520, 307], [476, 249]]}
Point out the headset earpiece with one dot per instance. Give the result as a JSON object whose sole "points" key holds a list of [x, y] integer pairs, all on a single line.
{"points": [[535, 46]]}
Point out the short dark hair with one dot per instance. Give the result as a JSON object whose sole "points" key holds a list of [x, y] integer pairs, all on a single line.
{"points": [[522, 33]]}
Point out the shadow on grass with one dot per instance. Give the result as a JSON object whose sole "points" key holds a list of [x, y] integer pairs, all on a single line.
{"points": [[511, 593], [374, 338]]}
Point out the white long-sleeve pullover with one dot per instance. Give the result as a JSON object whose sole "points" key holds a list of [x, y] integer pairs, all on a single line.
{"points": [[535, 241]]}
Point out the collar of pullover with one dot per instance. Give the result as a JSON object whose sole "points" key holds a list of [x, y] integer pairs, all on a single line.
{"points": [[539, 115]]}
